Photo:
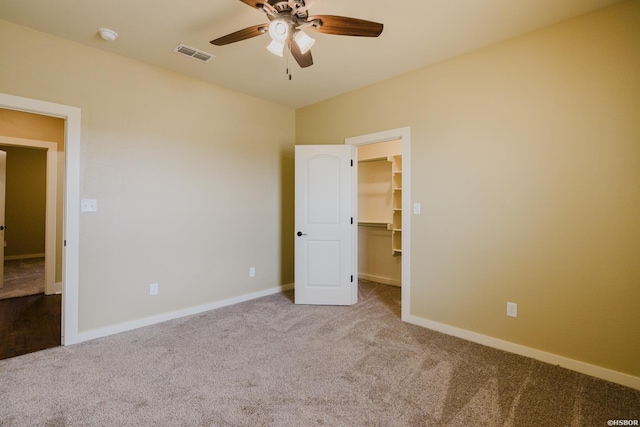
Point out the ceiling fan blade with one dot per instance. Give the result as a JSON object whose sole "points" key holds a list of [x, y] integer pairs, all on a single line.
{"points": [[253, 3], [304, 60], [262, 5], [247, 33], [343, 26]]}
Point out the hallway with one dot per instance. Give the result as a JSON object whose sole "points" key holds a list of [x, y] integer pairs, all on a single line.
{"points": [[29, 324], [23, 277]]}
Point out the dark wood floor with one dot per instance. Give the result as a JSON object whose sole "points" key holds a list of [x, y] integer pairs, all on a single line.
{"points": [[29, 324]]}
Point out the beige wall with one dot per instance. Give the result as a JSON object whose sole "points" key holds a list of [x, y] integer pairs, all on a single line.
{"points": [[379, 150], [374, 192], [526, 159], [19, 124], [375, 260], [188, 178], [25, 201]]}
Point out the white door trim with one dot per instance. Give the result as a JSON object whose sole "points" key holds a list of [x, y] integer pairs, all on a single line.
{"points": [[390, 135], [51, 205], [3, 193], [71, 223]]}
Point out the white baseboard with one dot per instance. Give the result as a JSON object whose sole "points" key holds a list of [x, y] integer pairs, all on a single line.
{"points": [[379, 279], [26, 256], [57, 289], [148, 321], [543, 356]]}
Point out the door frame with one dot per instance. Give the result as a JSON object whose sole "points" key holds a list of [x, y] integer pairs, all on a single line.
{"points": [[51, 205], [403, 134], [71, 210]]}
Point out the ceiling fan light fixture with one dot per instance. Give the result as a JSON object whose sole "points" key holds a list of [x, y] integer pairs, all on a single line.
{"points": [[304, 42], [279, 31], [276, 47]]}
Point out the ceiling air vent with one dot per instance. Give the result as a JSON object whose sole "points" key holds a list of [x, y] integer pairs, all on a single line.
{"points": [[194, 53]]}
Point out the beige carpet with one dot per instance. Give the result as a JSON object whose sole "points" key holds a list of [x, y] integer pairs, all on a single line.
{"points": [[268, 362], [23, 277]]}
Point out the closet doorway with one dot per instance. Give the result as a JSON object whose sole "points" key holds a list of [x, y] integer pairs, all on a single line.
{"points": [[383, 209], [380, 212]]}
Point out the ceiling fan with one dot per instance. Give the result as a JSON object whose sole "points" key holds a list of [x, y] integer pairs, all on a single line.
{"points": [[287, 20]]}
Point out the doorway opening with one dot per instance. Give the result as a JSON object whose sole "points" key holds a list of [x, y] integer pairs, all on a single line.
{"points": [[383, 215], [30, 291], [71, 206], [33, 216], [380, 212]]}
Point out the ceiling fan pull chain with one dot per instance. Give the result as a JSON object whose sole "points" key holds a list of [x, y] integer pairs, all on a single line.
{"points": [[288, 70]]}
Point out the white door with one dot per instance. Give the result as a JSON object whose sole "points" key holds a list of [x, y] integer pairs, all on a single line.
{"points": [[326, 228], [3, 185]]}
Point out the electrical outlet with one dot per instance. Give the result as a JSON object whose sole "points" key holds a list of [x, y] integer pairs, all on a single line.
{"points": [[512, 309], [252, 272], [153, 289]]}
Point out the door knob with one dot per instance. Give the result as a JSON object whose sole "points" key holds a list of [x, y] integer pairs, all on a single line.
{"points": [[300, 233], [2, 227]]}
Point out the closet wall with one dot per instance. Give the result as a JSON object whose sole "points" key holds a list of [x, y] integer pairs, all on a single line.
{"points": [[379, 183]]}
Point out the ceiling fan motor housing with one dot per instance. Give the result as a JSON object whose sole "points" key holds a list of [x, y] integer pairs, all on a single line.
{"points": [[278, 8]]}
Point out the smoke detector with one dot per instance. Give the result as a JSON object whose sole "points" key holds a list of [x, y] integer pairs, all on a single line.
{"points": [[107, 34]]}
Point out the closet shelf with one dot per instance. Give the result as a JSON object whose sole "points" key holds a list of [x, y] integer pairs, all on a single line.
{"points": [[376, 224], [396, 189]]}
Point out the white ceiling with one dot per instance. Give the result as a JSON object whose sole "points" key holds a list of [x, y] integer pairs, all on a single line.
{"points": [[416, 33]]}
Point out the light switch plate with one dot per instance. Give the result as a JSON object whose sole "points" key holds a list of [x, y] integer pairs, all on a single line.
{"points": [[416, 208], [89, 205]]}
